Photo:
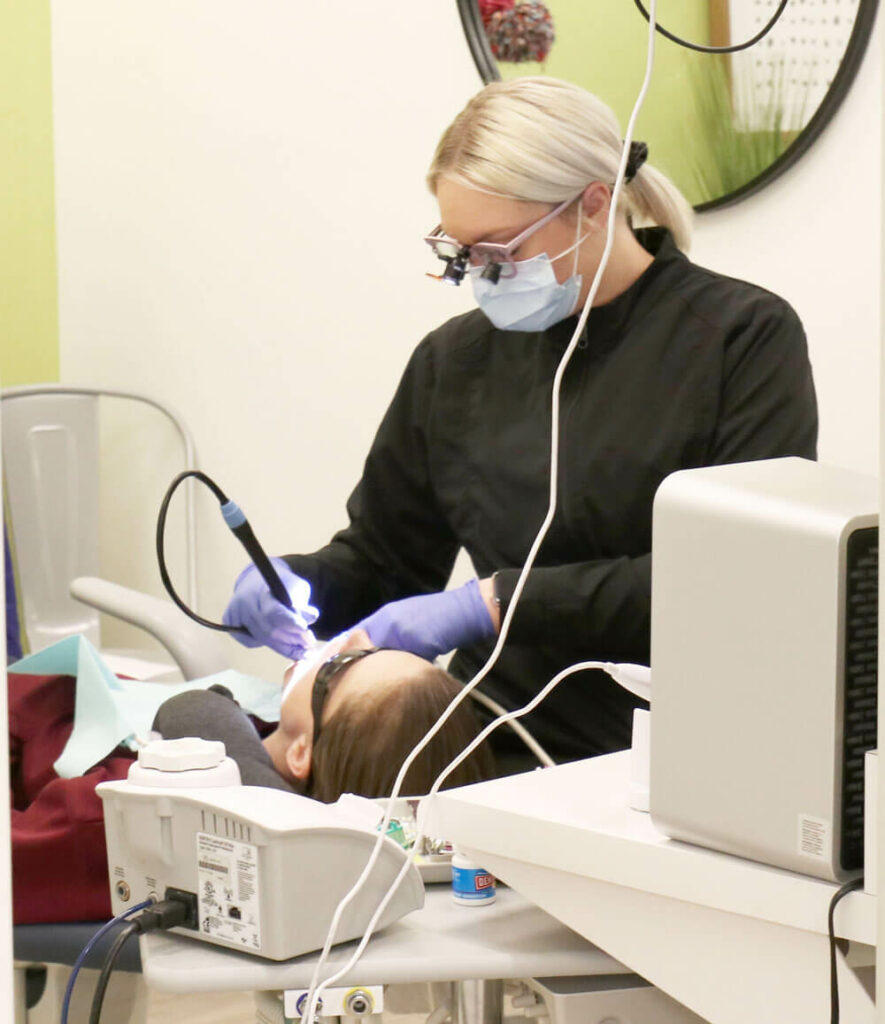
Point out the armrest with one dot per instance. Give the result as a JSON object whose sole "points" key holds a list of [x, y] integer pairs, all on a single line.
{"points": [[196, 650]]}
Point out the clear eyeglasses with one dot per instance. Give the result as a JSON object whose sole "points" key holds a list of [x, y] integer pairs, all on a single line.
{"points": [[495, 258]]}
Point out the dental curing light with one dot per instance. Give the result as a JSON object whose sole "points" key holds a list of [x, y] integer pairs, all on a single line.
{"points": [[234, 517], [259, 870]]}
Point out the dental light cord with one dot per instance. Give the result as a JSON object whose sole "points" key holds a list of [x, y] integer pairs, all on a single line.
{"points": [[239, 525], [317, 987], [634, 678], [154, 914], [120, 939], [509, 717], [534, 746]]}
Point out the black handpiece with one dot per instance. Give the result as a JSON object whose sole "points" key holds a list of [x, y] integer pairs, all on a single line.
{"points": [[235, 519]]}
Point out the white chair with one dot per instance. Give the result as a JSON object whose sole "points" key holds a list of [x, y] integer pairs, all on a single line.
{"points": [[51, 462]]}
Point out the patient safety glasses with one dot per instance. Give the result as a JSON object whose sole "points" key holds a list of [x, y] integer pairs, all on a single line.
{"points": [[329, 670], [495, 258]]}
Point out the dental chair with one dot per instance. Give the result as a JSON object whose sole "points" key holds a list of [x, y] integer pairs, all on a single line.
{"points": [[51, 465], [52, 461], [51, 472]]}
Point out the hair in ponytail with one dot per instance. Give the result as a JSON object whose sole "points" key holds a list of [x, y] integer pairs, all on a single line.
{"points": [[544, 140]]}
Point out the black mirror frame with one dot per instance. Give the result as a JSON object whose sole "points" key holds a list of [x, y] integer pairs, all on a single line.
{"points": [[487, 67]]}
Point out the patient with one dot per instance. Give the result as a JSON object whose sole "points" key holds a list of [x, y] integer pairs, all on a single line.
{"points": [[349, 717], [348, 720]]}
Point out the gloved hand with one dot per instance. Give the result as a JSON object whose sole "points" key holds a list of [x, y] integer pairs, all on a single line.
{"points": [[431, 624], [270, 623]]}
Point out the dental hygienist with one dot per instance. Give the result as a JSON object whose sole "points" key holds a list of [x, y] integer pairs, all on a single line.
{"points": [[677, 367]]}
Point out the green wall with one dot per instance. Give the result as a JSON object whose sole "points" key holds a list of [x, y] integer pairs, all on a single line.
{"points": [[602, 45], [28, 293]]}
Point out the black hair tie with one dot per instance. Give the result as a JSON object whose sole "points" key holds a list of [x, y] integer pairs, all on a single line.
{"points": [[638, 156]]}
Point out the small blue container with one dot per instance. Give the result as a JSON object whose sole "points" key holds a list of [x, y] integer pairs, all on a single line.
{"points": [[472, 885]]}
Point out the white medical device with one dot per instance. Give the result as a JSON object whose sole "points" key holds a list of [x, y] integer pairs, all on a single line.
{"points": [[764, 660], [262, 870]]}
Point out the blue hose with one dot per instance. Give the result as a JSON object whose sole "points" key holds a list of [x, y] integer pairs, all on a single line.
{"points": [[78, 963]]}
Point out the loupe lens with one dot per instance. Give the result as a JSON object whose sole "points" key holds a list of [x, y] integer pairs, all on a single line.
{"points": [[454, 272], [445, 249]]}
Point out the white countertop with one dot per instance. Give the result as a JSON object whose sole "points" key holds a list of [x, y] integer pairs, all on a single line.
{"points": [[442, 942], [575, 818]]}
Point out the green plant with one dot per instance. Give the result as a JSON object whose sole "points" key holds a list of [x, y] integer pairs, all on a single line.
{"points": [[739, 129]]}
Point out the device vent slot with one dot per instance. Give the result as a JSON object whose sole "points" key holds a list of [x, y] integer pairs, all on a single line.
{"points": [[234, 829], [861, 686], [230, 828]]}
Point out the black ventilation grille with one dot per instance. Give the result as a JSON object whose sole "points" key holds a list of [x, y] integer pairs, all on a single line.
{"points": [[861, 658]]}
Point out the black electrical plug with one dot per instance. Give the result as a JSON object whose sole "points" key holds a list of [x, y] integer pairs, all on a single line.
{"points": [[163, 915]]}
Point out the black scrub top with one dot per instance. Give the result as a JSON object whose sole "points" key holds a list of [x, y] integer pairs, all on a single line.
{"points": [[685, 368]]}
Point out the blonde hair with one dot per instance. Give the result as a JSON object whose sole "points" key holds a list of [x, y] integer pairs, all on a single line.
{"points": [[544, 140]]}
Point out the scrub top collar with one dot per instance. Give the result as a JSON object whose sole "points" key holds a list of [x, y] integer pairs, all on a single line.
{"points": [[605, 321]]}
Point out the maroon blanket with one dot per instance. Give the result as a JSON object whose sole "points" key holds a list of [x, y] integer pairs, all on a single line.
{"points": [[59, 865]]}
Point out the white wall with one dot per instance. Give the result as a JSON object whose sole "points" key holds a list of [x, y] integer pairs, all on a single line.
{"points": [[240, 205], [813, 237]]}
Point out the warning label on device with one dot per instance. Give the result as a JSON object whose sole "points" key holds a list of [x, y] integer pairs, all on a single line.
{"points": [[227, 881], [814, 837]]}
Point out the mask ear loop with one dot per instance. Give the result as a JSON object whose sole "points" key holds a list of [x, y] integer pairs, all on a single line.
{"points": [[577, 247], [578, 239]]}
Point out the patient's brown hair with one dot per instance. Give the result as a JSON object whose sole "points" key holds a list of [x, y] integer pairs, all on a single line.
{"points": [[364, 743]]}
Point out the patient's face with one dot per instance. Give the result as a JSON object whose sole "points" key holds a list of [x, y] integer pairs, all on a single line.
{"points": [[365, 676]]}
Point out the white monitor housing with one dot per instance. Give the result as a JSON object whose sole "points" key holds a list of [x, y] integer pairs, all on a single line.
{"points": [[764, 651]]}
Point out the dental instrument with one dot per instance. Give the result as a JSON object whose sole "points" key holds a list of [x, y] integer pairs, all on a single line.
{"points": [[260, 870], [239, 526]]}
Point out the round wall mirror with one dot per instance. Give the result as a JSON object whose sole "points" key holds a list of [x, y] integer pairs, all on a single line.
{"points": [[721, 126]]}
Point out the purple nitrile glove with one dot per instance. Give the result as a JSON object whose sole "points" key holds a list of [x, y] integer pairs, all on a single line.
{"points": [[431, 624], [270, 623]]}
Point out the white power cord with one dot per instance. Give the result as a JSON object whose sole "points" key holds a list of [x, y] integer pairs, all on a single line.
{"points": [[634, 678], [520, 730], [582, 666], [317, 987]]}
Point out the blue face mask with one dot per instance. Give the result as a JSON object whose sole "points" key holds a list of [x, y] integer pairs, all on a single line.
{"points": [[533, 300]]}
